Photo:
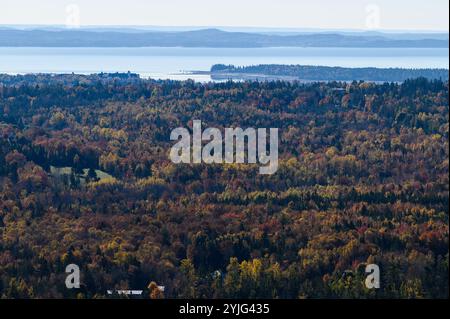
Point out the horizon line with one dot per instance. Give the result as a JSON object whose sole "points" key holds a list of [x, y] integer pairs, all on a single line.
{"points": [[267, 28]]}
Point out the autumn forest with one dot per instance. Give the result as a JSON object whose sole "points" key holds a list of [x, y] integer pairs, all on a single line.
{"points": [[86, 179]]}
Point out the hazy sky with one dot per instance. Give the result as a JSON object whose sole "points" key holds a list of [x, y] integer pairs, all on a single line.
{"points": [[330, 14]]}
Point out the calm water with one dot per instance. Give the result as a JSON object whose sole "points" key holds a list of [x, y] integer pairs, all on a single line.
{"points": [[171, 63]]}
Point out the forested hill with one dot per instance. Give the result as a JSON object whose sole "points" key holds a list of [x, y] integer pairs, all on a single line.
{"points": [[85, 178], [325, 73], [213, 38]]}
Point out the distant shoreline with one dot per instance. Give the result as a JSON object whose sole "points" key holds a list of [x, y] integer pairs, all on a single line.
{"points": [[130, 77], [209, 38], [308, 73]]}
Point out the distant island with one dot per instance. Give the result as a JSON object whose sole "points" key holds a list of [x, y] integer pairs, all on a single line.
{"points": [[210, 38], [321, 73]]}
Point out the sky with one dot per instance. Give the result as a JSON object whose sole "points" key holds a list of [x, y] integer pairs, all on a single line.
{"points": [[413, 15]]}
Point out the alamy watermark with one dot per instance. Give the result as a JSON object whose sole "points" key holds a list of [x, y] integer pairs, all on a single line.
{"points": [[73, 279], [373, 278], [230, 149], [73, 20], [373, 16]]}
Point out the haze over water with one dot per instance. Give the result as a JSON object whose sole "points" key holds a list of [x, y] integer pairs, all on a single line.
{"points": [[175, 62]]}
